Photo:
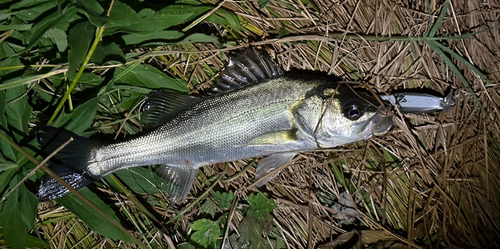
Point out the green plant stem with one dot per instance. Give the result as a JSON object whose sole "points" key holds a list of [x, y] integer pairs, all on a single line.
{"points": [[250, 164], [79, 74], [70, 188]]}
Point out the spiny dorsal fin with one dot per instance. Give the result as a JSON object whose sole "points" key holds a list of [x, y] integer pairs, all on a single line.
{"points": [[245, 68], [162, 105]]}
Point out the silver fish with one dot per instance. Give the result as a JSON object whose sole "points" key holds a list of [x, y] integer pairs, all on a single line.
{"points": [[258, 111]]}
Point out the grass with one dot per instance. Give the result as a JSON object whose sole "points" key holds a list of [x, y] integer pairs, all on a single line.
{"points": [[431, 182]]}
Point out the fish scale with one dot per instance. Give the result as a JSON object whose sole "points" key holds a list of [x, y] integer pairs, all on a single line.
{"points": [[222, 129]]}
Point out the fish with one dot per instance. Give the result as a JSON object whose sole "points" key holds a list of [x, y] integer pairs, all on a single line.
{"points": [[254, 110]]}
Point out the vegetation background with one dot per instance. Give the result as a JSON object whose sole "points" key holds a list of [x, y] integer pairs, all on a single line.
{"points": [[86, 65]]}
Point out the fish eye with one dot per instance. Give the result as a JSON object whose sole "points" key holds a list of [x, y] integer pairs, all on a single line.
{"points": [[353, 111]]}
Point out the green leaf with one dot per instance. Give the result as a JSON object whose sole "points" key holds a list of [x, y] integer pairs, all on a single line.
{"points": [[251, 235], [260, 206], [4, 14], [79, 39], [108, 53], [16, 232], [5, 147], [87, 78], [93, 10], [206, 232], [16, 27], [5, 178], [90, 79], [54, 20], [18, 214], [438, 22], [31, 10], [157, 36], [177, 14], [35, 242], [225, 200], [94, 220], [58, 37], [28, 204], [124, 19], [17, 111], [6, 164], [197, 37], [208, 207], [28, 3], [263, 3], [229, 17], [145, 75], [80, 119], [166, 37], [141, 180], [6, 51]]}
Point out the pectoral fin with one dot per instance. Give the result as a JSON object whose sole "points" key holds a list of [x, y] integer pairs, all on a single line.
{"points": [[279, 137], [270, 163], [180, 178]]}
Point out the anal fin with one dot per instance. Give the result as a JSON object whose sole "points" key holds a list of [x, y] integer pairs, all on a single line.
{"points": [[270, 163], [180, 178]]}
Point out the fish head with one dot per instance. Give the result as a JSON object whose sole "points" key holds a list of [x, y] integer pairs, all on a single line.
{"points": [[342, 115]]}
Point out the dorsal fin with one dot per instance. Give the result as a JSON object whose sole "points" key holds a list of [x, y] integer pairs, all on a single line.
{"points": [[245, 68], [162, 105]]}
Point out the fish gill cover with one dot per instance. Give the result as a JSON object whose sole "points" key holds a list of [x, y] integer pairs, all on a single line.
{"points": [[87, 65]]}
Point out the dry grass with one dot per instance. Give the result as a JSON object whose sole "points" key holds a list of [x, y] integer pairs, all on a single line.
{"points": [[433, 181]]}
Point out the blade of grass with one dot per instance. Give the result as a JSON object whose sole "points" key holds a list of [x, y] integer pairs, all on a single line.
{"points": [[203, 17], [16, 27], [464, 61], [435, 46], [26, 80], [5, 35], [438, 22]]}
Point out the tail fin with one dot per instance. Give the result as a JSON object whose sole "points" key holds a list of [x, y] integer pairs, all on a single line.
{"points": [[70, 163]]}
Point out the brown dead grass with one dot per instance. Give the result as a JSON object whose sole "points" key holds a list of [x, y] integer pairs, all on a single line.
{"points": [[433, 181]]}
